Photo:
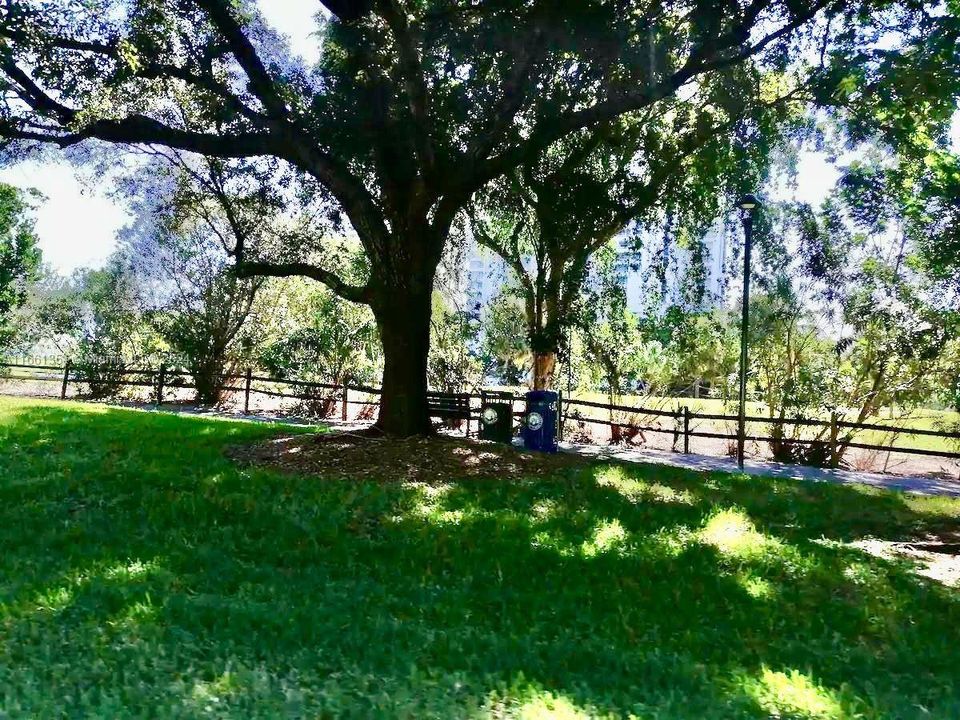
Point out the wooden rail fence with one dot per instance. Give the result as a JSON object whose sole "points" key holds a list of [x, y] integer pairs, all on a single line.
{"points": [[163, 380]]}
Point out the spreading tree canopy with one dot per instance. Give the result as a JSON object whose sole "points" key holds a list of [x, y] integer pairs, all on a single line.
{"points": [[413, 107]]}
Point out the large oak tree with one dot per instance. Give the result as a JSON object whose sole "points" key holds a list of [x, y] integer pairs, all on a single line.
{"points": [[413, 107]]}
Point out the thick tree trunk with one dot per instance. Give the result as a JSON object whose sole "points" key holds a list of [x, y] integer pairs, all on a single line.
{"points": [[544, 365], [404, 322]]}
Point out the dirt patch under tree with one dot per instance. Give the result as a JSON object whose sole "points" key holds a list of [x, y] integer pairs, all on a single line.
{"points": [[359, 455]]}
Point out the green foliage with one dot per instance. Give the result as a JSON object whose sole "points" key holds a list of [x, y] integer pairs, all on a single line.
{"points": [[505, 351], [696, 347], [609, 330], [453, 365], [676, 173], [321, 337], [112, 333], [850, 317], [210, 319], [50, 317], [414, 106], [144, 575], [19, 257]]}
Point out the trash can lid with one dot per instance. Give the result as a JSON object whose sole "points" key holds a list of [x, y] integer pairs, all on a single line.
{"points": [[544, 395]]}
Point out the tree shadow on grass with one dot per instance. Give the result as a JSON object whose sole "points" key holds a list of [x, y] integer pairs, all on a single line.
{"points": [[143, 573]]}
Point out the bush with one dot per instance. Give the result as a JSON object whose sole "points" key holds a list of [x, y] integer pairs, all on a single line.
{"points": [[102, 376]]}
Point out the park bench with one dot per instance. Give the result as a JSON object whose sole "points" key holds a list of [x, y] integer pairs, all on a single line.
{"points": [[452, 408]]}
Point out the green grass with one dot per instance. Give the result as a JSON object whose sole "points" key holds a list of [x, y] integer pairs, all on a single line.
{"points": [[143, 575]]}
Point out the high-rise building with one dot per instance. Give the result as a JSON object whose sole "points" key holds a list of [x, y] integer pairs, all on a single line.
{"points": [[653, 271], [486, 274], [657, 272]]}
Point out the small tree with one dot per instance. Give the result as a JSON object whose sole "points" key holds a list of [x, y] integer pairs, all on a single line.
{"points": [[851, 320], [505, 352], [699, 347], [454, 365], [207, 315], [49, 318], [112, 334]]}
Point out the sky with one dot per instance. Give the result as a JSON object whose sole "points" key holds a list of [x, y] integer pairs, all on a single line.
{"points": [[77, 223]]}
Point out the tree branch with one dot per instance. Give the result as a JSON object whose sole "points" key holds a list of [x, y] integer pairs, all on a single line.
{"points": [[348, 10], [280, 141], [414, 82], [261, 84], [703, 60], [511, 99], [509, 255], [161, 71], [142, 130], [32, 95], [349, 292]]}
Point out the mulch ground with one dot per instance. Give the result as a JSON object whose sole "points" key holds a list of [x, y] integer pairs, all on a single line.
{"points": [[435, 459]]}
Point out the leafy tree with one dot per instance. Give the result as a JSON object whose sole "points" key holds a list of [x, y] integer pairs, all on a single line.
{"points": [[208, 316], [547, 219], [609, 330], [49, 318], [796, 369], [413, 107], [850, 319], [699, 348], [19, 257], [610, 334], [453, 365]]}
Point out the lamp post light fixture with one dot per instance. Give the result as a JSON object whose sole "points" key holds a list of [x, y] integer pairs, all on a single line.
{"points": [[748, 204]]}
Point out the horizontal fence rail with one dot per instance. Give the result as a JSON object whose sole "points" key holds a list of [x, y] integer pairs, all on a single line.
{"points": [[162, 380]]}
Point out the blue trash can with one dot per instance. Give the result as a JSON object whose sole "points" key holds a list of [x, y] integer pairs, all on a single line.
{"points": [[540, 421]]}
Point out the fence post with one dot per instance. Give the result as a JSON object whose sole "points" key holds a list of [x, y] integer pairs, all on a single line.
{"points": [[834, 435], [246, 392], [686, 430], [66, 379], [346, 397], [161, 376]]}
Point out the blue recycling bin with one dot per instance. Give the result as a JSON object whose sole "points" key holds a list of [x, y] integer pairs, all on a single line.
{"points": [[540, 421]]}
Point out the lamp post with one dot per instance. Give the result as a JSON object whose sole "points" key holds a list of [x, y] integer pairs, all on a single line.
{"points": [[748, 204]]}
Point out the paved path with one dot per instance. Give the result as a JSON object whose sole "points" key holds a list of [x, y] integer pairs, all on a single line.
{"points": [[922, 485]]}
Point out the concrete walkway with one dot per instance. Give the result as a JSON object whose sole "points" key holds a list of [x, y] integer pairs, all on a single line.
{"points": [[919, 484]]}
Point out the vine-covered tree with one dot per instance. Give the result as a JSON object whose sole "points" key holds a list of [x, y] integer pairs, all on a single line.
{"points": [[413, 107]]}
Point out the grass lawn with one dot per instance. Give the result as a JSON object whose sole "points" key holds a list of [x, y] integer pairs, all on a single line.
{"points": [[142, 574]]}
